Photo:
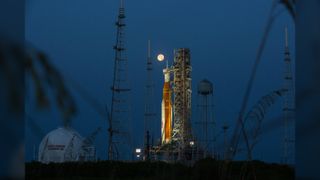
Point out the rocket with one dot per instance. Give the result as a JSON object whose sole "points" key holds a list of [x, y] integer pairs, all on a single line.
{"points": [[166, 109]]}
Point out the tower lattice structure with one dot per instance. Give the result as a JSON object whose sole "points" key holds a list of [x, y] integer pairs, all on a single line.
{"points": [[181, 133], [288, 107], [149, 111], [119, 146]]}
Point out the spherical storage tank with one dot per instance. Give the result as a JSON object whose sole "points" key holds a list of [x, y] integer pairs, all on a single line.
{"points": [[205, 87], [60, 145]]}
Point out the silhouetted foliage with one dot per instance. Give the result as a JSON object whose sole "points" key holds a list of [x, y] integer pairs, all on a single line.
{"points": [[46, 77], [290, 6], [255, 117], [203, 169]]}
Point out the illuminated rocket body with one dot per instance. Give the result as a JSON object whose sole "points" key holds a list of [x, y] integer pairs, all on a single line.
{"points": [[166, 109]]}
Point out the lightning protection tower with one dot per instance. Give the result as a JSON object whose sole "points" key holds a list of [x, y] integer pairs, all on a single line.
{"points": [[149, 111], [181, 133], [288, 107], [119, 146]]}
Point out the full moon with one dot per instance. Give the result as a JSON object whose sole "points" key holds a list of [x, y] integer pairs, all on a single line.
{"points": [[160, 57]]}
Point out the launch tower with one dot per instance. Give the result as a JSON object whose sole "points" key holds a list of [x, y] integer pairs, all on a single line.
{"points": [[182, 100]]}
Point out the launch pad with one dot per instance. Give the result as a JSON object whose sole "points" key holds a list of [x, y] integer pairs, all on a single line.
{"points": [[177, 143]]}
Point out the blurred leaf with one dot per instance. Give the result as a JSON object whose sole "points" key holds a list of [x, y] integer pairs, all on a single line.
{"points": [[255, 116], [12, 68], [46, 77], [41, 98], [289, 4]]}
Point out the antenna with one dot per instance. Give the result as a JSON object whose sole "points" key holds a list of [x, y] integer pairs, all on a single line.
{"points": [[286, 36], [288, 107], [121, 4], [225, 127], [149, 49], [167, 63]]}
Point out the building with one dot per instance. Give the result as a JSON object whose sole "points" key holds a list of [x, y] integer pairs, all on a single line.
{"points": [[64, 145]]}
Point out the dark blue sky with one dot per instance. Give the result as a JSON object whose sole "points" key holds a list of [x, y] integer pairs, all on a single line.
{"points": [[223, 37]]}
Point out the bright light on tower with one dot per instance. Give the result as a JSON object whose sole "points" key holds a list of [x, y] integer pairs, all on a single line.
{"points": [[138, 150], [160, 57]]}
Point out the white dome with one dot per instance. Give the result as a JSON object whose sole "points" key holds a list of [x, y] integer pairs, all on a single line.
{"points": [[60, 145]]}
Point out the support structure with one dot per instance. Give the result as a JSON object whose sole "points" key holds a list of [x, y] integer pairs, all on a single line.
{"points": [[288, 108], [119, 121], [206, 136], [182, 101], [225, 141], [149, 111]]}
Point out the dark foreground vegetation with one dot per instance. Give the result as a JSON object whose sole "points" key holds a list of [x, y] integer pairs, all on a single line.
{"points": [[204, 169]]}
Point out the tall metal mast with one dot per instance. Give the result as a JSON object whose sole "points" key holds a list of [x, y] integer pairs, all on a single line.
{"points": [[149, 111], [120, 109], [288, 107]]}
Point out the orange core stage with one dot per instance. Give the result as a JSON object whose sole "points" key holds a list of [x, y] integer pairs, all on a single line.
{"points": [[166, 107]]}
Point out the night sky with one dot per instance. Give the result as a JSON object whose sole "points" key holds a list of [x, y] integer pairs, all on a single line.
{"points": [[223, 37]]}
